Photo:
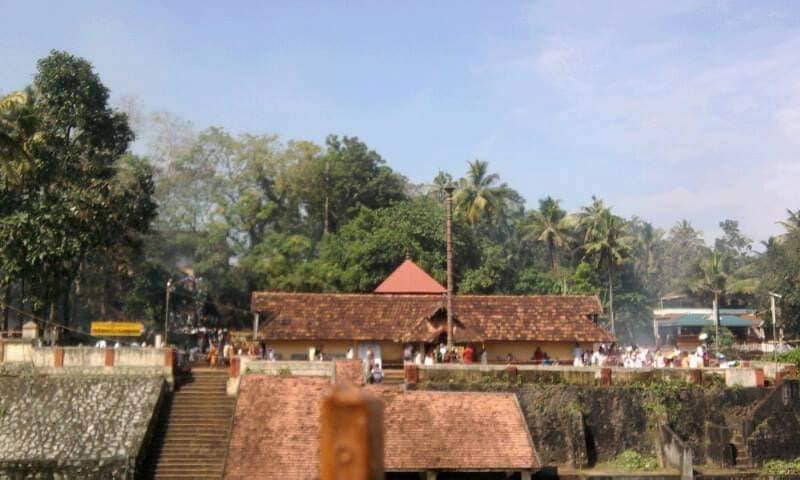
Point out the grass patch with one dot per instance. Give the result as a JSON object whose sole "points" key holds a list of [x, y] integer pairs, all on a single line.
{"points": [[633, 461], [782, 467]]}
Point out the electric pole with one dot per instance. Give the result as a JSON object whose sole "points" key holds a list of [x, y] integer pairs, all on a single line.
{"points": [[449, 240], [772, 297], [166, 314]]}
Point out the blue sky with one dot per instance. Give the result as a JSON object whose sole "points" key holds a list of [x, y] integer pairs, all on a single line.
{"points": [[668, 110]]}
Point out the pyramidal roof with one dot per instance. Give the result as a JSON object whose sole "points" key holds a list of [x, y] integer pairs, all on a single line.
{"points": [[409, 278]]}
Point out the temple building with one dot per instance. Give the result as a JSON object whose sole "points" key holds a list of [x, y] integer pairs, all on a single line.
{"points": [[409, 307]]}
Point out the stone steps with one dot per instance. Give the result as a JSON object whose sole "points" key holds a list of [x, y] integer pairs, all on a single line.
{"points": [[743, 459], [393, 377], [191, 438]]}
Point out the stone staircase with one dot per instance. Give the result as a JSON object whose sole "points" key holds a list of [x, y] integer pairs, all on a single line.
{"points": [[393, 376], [191, 438], [742, 459]]}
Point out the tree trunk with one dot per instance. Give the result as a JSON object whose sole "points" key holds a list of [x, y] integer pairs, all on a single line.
{"points": [[611, 300], [326, 222], [6, 309], [552, 248], [65, 304], [53, 318]]}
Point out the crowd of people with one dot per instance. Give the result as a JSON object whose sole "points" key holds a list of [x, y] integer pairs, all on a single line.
{"points": [[635, 357], [604, 355], [218, 348]]}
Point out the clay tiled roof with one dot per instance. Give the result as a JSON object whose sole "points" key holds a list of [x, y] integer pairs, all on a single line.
{"points": [[349, 371], [409, 278], [427, 430], [276, 430], [317, 316]]}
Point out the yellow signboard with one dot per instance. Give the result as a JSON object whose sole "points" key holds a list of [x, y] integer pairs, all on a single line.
{"points": [[117, 329]]}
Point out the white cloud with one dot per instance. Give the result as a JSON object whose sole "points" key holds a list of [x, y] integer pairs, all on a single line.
{"points": [[699, 102]]}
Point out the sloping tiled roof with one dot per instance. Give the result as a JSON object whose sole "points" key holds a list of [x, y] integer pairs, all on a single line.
{"points": [[321, 316], [427, 430], [276, 430], [409, 278]]}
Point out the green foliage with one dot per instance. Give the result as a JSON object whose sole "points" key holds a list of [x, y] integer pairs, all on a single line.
{"points": [[585, 280], [792, 356], [374, 243], [549, 225], [531, 281], [70, 200], [633, 461], [782, 467], [780, 266], [663, 402], [726, 337], [284, 372], [345, 178]]}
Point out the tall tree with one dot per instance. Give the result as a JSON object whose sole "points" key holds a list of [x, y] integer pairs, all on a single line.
{"points": [[609, 245], [333, 186], [363, 252], [65, 209], [589, 219], [684, 248], [479, 195], [792, 223], [549, 225]]}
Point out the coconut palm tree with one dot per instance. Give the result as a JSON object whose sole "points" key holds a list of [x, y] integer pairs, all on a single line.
{"points": [[609, 245], [712, 278], [550, 225], [479, 194], [791, 224], [589, 218]]}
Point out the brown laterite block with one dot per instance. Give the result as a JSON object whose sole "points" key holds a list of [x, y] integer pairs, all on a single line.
{"points": [[109, 359], [58, 357], [236, 364], [411, 374], [759, 376], [605, 377]]}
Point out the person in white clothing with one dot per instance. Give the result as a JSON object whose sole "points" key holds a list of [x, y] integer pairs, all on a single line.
{"points": [[429, 358], [577, 356], [418, 358]]}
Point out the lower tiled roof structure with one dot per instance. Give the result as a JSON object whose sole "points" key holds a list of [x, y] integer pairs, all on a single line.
{"points": [[412, 318], [455, 431], [276, 430]]}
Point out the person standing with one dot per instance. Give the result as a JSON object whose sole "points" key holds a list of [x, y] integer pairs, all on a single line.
{"points": [[429, 358], [469, 354], [441, 354], [537, 356], [408, 353], [577, 356], [418, 357]]}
